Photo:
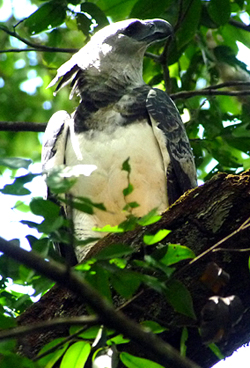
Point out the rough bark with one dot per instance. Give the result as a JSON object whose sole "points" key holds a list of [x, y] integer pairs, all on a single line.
{"points": [[199, 219]]}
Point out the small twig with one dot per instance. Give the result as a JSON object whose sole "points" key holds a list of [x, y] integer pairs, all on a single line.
{"points": [[21, 126], [57, 322], [231, 250], [228, 84], [16, 50], [242, 227], [240, 25], [208, 92], [36, 46]]}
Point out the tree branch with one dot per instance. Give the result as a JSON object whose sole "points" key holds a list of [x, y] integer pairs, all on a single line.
{"points": [[16, 50], [56, 322], [214, 248], [240, 25], [21, 126], [208, 92], [164, 353], [34, 45]]}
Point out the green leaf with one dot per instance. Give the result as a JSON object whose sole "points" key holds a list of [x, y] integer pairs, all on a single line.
{"points": [[95, 12], [50, 14], [128, 190], [15, 162], [17, 187], [114, 251], [10, 359], [150, 218], [45, 208], [83, 23], [154, 326], [12, 189], [76, 356], [119, 339], [148, 9], [216, 350], [153, 239], [188, 26], [7, 322], [184, 337], [21, 206], [109, 229], [126, 166], [125, 282], [50, 211], [177, 253], [180, 298], [152, 282], [98, 277], [219, 11], [132, 361], [130, 206], [129, 224], [49, 360], [83, 204]]}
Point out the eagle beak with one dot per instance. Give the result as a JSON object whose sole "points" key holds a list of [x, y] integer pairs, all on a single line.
{"points": [[158, 29]]}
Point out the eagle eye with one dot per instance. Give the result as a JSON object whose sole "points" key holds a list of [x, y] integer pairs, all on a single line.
{"points": [[132, 29]]}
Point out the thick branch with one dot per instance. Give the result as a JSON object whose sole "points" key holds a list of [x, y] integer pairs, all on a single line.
{"points": [[163, 352]]}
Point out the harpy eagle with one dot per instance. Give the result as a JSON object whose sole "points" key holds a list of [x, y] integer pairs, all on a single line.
{"points": [[119, 117]]}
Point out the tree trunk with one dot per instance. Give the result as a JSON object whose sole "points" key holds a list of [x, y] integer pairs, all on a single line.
{"points": [[199, 219]]}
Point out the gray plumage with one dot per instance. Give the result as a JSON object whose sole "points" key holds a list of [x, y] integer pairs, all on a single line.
{"points": [[119, 116]]}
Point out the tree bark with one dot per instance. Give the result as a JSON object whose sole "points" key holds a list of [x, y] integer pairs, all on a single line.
{"points": [[199, 219]]}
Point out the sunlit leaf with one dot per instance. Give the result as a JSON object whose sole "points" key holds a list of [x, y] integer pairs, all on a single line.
{"points": [[132, 361], [119, 339], [153, 239], [216, 350], [76, 355], [176, 253], [150, 218]]}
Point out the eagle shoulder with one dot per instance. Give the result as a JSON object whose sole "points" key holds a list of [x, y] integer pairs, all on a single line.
{"points": [[171, 135]]}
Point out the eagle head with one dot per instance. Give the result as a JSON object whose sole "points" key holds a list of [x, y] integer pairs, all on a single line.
{"points": [[115, 48]]}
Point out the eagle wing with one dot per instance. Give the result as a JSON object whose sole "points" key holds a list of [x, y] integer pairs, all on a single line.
{"points": [[53, 155], [174, 144], [55, 140]]}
